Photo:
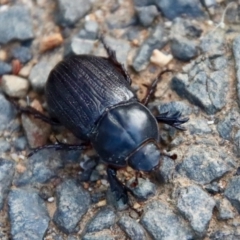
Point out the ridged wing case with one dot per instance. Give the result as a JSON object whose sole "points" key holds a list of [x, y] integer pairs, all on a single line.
{"points": [[80, 88]]}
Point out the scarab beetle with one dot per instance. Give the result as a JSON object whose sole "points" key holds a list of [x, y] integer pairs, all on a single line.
{"points": [[92, 97]]}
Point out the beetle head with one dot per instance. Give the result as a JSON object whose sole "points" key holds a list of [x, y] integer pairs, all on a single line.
{"points": [[146, 158]]}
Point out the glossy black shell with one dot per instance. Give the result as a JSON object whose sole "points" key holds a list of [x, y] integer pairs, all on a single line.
{"points": [[80, 88]]}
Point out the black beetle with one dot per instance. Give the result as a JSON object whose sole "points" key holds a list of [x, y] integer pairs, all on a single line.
{"points": [[92, 97]]}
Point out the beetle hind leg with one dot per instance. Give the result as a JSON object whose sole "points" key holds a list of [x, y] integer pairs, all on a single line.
{"points": [[60, 146], [35, 113], [173, 120], [118, 188], [112, 56]]}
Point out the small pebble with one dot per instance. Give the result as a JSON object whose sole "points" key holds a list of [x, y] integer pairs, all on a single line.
{"points": [[14, 86], [51, 41], [102, 203], [15, 157], [160, 58], [3, 55], [51, 199], [136, 205], [25, 70], [104, 182], [20, 168]]}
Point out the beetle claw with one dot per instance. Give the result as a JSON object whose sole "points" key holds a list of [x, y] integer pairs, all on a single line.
{"points": [[118, 188], [173, 120], [120, 192]]}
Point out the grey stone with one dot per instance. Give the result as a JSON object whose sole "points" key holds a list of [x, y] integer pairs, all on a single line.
{"points": [[98, 196], [90, 30], [144, 189], [23, 54], [203, 165], [202, 86], [28, 215], [225, 210], [232, 13], [95, 175], [79, 46], [209, 3], [6, 177], [132, 228], [7, 112], [213, 188], [143, 3], [159, 220], [120, 46], [223, 235], [121, 19], [236, 54], [147, 14], [186, 28], [237, 143], [176, 142], [213, 43], [72, 203], [133, 33], [69, 12], [172, 9], [183, 49], [19, 24], [97, 237], [36, 131], [196, 206], [157, 40], [229, 126], [40, 168], [20, 143], [39, 74], [198, 127], [4, 146], [104, 219], [72, 238], [166, 170], [232, 192], [5, 68], [217, 63]]}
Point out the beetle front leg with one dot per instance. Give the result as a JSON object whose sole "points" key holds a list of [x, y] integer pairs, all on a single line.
{"points": [[151, 89], [117, 187], [173, 120]]}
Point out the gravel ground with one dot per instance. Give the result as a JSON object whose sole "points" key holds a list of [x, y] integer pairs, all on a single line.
{"points": [[65, 195]]}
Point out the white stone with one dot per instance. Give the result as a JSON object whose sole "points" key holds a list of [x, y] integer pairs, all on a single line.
{"points": [[14, 86], [160, 58]]}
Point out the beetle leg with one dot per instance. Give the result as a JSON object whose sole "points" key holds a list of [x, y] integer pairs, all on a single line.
{"points": [[173, 120], [151, 89], [112, 56], [117, 187], [32, 111], [60, 146]]}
